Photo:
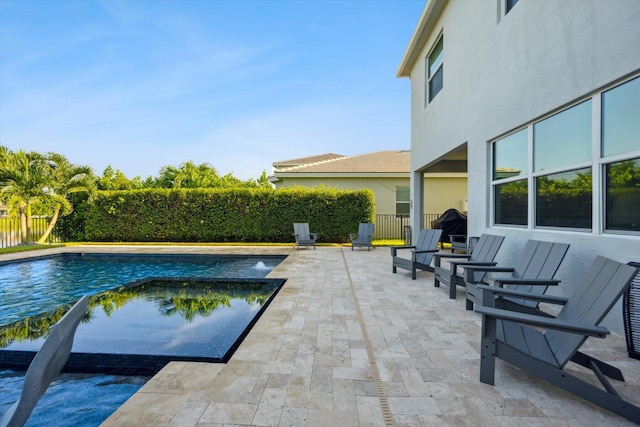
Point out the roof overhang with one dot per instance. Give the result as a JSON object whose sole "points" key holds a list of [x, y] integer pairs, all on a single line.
{"points": [[342, 175], [425, 26]]}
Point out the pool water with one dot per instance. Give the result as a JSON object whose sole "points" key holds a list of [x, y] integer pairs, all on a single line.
{"points": [[72, 399], [32, 286]]}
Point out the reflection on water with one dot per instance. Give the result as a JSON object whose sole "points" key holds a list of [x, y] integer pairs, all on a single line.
{"points": [[31, 287], [156, 317]]}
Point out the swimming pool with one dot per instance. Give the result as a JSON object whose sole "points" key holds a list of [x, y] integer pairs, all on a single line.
{"points": [[44, 283], [29, 287]]}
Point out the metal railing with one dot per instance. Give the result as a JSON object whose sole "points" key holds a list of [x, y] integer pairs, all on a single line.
{"points": [[391, 226], [10, 231]]}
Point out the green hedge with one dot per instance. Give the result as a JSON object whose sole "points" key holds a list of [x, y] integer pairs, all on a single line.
{"points": [[225, 215]]}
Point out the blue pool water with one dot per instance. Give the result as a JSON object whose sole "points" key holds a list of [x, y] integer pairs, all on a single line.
{"points": [[72, 399], [33, 286]]}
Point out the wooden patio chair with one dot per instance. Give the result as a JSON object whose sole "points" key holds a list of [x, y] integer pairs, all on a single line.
{"points": [[519, 339], [484, 252], [421, 253], [46, 364], [303, 236], [539, 262], [364, 236]]}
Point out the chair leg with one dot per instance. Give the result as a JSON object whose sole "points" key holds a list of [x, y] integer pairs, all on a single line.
{"points": [[469, 305], [452, 288], [488, 350]]}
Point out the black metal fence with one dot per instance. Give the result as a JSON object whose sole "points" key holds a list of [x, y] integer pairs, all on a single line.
{"points": [[10, 231], [391, 226]]}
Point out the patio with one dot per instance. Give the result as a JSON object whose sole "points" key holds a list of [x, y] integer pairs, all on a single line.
{"points": [[348, 343]]}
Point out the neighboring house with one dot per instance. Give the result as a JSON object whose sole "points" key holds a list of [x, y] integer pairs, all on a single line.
{"points": [[542, 99], [386, 173]]}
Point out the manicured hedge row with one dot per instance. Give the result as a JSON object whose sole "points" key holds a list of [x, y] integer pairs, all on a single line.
{"points": [[225, 215]]}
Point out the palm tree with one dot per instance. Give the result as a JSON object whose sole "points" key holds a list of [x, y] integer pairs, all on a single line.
{"points": [[23, 182], [65, 179]]}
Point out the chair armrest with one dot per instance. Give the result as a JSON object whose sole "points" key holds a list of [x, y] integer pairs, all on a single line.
{"points": [[314, 235], [544, 322], [424, 251], [394, 249], [470, 270], [488, 268], [446, 255], [455, 264], [467, 264], [524, 281], [353, 236], [523, 294]]}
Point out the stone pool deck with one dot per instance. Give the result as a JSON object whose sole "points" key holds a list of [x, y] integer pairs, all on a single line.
{"points": [[348, 343]]}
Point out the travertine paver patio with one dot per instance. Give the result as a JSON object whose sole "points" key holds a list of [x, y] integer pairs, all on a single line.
{"points": [[348, 343]]}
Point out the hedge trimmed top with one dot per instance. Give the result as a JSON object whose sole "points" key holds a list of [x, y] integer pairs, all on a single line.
{"points": [[224, 215]]}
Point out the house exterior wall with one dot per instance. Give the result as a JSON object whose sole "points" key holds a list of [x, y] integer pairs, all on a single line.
{"points": [[503, 72], [448, 191]]}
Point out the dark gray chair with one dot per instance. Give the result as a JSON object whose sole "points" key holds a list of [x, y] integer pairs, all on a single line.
{"points": [[517, 338], [539, 262], [364, 236], [484, 252], [46, 364], [421, 253], [303, 236]]}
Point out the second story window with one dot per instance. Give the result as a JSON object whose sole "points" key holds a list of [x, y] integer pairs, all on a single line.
{"points": [[435, 70], [509, 5]]}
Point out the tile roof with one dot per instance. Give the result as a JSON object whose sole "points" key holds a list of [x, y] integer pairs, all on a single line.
{"points": [[397, 161], [306, 160]]}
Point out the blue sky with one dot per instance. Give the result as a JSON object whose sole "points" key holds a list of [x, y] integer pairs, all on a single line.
{"points": [[238, 84]]}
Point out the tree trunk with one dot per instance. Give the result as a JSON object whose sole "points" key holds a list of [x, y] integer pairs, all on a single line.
{"points": [[23, 225], [28, 223], [52, 224]]}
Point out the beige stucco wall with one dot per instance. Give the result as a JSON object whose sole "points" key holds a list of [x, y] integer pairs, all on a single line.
{"points": [[446, 191]]}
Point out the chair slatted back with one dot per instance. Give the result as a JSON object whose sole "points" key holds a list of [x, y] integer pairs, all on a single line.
{"points": [[540, 260], [593, 297], [301, 229], [485, 250], [365, 232], [428, 239]]}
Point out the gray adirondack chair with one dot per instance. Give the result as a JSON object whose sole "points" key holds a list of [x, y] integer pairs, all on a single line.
{"points": [[303, 236], [539, 262], [484, 252], [46, 364], [364, 236], [509, 336], [421, 253]]}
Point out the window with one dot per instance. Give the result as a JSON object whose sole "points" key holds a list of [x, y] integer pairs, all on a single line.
{"points": [[511, 203], [403, 201], [568, 171], [621, 118], [509, 5], [565, 199], [623, 195], [563, 139], [435, 70], [510, 155]]}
